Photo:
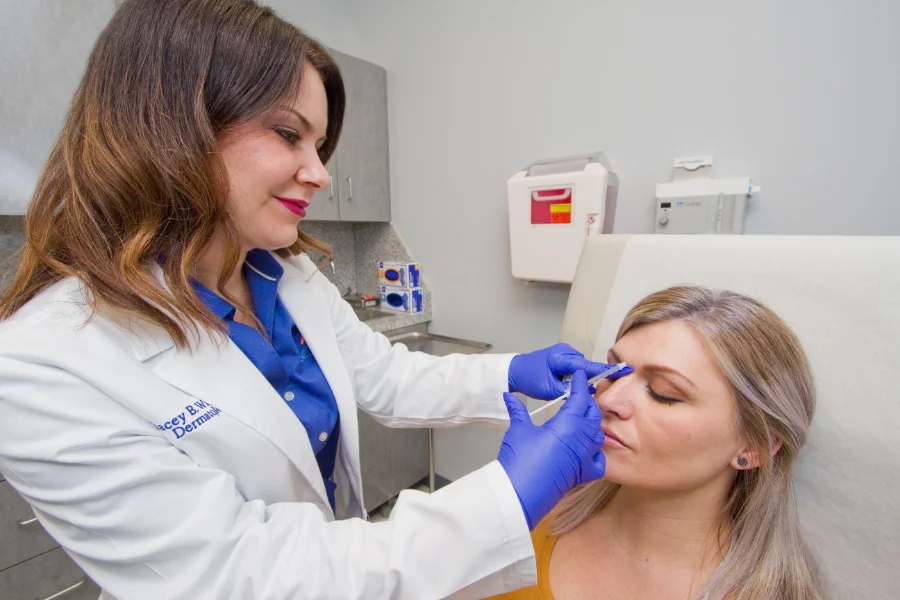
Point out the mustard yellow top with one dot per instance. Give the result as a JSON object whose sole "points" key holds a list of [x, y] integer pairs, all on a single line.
{"points": [[543, 547]]}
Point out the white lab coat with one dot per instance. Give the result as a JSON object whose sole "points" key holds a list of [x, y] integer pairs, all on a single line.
{"points": [[107, 434]]}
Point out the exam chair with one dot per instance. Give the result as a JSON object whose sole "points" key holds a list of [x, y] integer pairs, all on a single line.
{"points": [[841, 295]]}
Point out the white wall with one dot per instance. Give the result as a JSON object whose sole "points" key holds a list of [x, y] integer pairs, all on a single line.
{"points": [[44, 45], [803, 96], [332, 22]]}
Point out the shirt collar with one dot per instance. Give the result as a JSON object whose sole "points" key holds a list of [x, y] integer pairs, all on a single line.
{"points": [[263, 274], [264, 264], [216, 303], [262, 267]]}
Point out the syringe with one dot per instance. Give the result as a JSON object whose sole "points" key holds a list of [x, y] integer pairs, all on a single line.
{"points": [[593, 381]]}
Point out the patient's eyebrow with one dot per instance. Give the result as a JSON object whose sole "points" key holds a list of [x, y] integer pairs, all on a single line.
{"points": [[655, 369]]}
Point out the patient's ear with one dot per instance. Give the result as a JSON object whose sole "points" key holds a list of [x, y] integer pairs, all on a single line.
{"points": [[748, 458]]}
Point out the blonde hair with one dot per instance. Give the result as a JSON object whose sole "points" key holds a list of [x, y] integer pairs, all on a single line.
{"points": [[772, 385]]}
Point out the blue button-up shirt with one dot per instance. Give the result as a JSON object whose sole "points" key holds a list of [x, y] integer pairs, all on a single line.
{"points": [[284, 359]]}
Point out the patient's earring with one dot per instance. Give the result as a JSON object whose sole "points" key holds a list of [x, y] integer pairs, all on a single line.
{"points": [[742, 462]]}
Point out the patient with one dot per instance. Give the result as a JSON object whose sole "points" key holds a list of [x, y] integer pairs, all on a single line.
{"points": [[697, 501]]}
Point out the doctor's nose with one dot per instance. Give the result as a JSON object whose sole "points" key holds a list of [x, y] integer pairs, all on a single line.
{"points": [[313, 173]]}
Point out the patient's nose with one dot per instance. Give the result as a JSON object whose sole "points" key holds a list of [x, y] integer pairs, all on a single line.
{"points": [[615, 397]]}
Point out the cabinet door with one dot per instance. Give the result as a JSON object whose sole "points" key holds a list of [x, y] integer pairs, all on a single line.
{"points": [[21, 536], [324, 205], [50, 575], [364, 184], [391, 459]]}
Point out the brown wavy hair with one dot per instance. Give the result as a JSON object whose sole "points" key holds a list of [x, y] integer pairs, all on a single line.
{"points": [[135, 179]]}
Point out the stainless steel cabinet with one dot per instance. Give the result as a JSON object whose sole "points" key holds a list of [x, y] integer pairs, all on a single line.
{"points": [[21, 536], [49, 575], [32, 565], [360, 168], [392, 460]]}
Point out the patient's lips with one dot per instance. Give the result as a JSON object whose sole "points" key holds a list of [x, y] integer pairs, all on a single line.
{"points": [[611, 440]]}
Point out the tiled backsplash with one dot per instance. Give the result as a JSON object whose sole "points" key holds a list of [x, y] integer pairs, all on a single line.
{"points": [[12, 236], [357, 248], [342, 239]]}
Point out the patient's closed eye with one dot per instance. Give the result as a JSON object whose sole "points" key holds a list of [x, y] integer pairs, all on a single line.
{"points": [[660, 398]]}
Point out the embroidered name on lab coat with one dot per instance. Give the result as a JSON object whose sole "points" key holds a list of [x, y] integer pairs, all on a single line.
{"points": [[189, 420]]}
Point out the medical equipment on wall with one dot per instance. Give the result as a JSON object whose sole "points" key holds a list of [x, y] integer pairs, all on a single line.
{"points": [[554, 205], [694, 202]]}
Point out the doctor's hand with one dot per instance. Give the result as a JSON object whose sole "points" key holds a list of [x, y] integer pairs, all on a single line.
{"points": [[538, 373], [545, 463]]}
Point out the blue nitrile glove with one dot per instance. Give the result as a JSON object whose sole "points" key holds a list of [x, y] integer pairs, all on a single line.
{"points": [[545, 463], [538, 373]]}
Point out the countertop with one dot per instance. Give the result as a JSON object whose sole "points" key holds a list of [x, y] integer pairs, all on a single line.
{"points": [[391, 321]]}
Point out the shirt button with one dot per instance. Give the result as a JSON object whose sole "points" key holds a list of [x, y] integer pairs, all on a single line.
{"points": [[289, 396], [323, 436]]}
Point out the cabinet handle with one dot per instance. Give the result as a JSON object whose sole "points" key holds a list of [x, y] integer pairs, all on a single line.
{"points": [[330, 188], [28, 522], [349, 188], [67, 590]]}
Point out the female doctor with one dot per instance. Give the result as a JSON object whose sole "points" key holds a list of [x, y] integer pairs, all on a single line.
{"points": [[179, 383]]}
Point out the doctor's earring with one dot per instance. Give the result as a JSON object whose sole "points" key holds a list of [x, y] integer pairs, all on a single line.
{"points": [[742, 462]]}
